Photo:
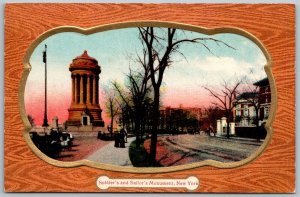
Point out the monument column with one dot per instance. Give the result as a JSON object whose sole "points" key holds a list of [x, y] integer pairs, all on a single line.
{"points": [[94, 90], [73, 89], [76, 88], [97, 90], [81, 89], [88, 89]]}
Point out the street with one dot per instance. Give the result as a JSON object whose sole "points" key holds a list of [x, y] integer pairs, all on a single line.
{"points": [[183, 149], [172, 150]]}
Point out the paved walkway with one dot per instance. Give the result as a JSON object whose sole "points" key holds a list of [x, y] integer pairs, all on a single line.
{"points": [[84, 144], [109, 154]]}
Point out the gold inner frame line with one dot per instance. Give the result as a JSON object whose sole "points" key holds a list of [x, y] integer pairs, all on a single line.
{"points": [[96, 29]]}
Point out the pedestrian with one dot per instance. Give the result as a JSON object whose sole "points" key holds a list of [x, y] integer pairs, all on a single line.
{"points": [[122, 139], [117, 140], [212, 130], [125, 132]]}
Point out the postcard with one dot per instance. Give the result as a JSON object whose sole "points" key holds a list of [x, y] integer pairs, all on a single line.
{"points": [[181, 98]]}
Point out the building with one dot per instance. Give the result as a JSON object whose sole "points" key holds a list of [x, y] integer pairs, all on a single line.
{"points": [[244, 112], [264, 99], [246, 103], [85, 110], [182, 118], [252, 110]]}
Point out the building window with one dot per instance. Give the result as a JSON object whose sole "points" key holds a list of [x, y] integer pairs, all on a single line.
{"points": [[238, 112], [266, 114], [267, 89], [254, 113], [246, 112]]}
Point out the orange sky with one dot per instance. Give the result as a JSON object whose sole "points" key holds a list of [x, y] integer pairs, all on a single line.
{"points": [[182, 82], [58, 104]]}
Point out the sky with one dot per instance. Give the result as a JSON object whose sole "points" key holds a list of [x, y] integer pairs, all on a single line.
{"points": [[182, 83]]}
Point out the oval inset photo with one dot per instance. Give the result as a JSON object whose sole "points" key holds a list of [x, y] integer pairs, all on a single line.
{"points": [[127, 99]]}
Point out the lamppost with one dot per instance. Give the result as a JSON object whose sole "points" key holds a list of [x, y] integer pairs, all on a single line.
{"points": [[45, 122]]}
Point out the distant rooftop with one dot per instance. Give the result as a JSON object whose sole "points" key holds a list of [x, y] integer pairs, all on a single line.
{"points": [[263, 82]]}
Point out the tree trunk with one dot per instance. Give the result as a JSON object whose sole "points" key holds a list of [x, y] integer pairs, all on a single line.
{"points": [[227, 134], [111, 126], [137, 128], [228, 122], [154, 128], [143, 126], [123, 119]]}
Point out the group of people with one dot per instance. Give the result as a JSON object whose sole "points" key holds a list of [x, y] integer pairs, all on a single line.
{"points": [[52, 143], [120, 138]]}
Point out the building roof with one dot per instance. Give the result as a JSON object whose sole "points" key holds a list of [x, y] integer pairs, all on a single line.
{"points": [[263, 82], [246, 95]]}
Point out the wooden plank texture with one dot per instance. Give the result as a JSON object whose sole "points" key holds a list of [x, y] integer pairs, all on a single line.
{"points": [[273, 24]]}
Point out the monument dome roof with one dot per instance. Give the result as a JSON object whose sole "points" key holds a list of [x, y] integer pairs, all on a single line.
{"points": [[84, 62], [86, 56]]}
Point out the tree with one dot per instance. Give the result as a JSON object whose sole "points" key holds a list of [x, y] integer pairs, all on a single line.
{"points": [[225, 99], [111, 107], [125, 115], [213, 114], [136, 96], [159, 49]]}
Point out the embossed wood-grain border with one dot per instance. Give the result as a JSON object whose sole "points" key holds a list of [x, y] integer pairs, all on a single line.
{"points": [[272, 24]]}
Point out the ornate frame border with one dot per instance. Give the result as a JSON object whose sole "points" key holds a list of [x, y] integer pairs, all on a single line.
{"points": [[96, 29]]}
